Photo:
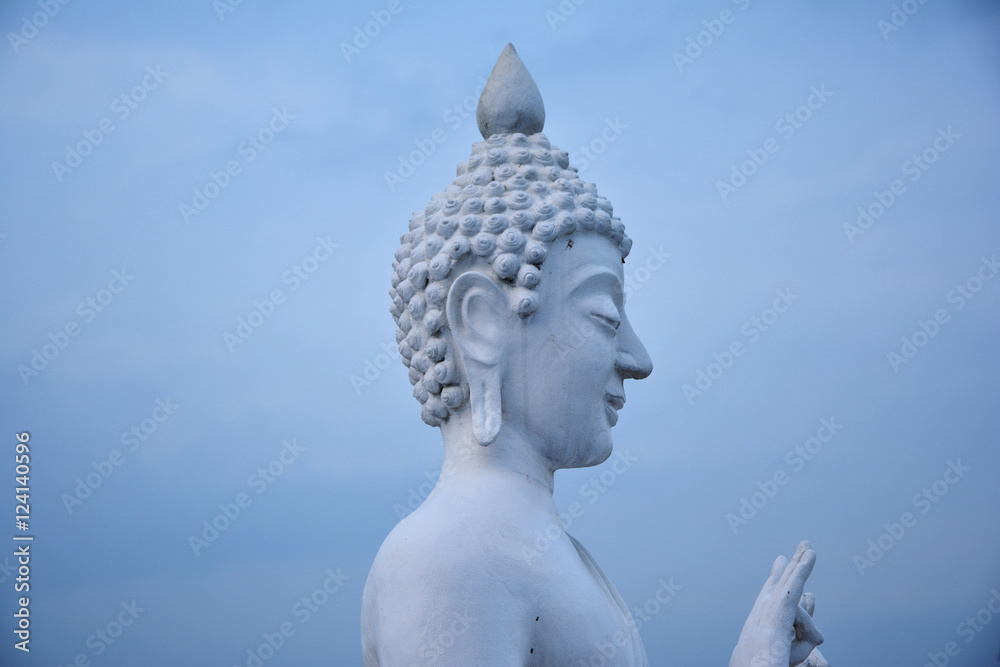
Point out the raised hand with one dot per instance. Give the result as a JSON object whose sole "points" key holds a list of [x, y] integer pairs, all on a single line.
{"points": [[779, 631]]}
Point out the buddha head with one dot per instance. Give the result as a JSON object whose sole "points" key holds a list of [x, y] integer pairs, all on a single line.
{"points": [[507, 289]]}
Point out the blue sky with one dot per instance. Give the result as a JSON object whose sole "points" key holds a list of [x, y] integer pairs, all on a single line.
{"points": [[297, 133]]}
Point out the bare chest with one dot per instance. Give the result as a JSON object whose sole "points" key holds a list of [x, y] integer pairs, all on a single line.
{"points": [[580, 619]]}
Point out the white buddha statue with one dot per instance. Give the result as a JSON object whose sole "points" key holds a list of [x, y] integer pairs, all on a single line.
{"points": [[509, 297]]}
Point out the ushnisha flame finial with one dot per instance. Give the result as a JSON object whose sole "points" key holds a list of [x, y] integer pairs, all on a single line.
{"points": [[510, 101]]}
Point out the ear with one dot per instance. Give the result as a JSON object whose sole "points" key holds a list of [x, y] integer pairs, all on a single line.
{"points": [[478, 315]]}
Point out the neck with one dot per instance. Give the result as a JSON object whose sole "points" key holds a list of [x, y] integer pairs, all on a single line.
{"points": [[511, 459]]}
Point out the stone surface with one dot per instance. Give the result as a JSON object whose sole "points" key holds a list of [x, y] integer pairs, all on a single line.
{"points": [[510, 102], [508, 289]]}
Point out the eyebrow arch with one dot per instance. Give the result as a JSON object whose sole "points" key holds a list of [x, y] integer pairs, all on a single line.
{"points": [[586, 275]]}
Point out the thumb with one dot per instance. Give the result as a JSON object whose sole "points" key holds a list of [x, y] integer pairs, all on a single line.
{"points": [[808, 602], [805, 630]]}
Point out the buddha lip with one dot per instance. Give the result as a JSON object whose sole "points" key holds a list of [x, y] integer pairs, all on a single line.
{"points": [[612, 404], [617, 402], [612, 414]]}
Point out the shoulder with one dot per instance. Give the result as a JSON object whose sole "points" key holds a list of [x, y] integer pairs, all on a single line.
{"points": [[449, 583]]}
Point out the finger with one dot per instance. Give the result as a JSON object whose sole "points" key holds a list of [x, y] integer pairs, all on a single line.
{"points": [[772, 580], [800, 553], [808, 602], [778, 567], [789, 567], [807, 637], [805, 629], [793, 580]]}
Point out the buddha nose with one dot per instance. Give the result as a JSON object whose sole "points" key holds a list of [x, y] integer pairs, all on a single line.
{"points": [[632, 360]]}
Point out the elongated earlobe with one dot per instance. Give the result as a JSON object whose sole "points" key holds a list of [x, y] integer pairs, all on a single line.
{"points": [[478, 313], [484, 399]]}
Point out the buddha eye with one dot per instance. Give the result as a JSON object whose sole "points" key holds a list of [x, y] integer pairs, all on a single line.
{"points": [[612, 322]]}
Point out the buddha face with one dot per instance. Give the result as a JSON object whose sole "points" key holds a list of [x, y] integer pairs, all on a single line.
{"points": [[565, 367]]}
